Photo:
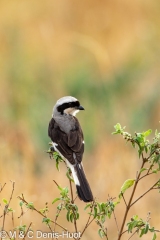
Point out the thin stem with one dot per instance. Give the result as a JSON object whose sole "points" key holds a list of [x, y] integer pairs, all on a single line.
{"points": [[50, 228], [2, 187], [7, 206], [22, 198], [57, 215], [133, 234], [116, 221], [124, 232], [8, 235], [88, 221], [27, 230], [12, 219], [56, 183], [147, 174], [151, 188], [124, 199], [130, 200]]}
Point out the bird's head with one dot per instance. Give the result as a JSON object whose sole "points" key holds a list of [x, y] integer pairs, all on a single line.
{"points": [[67, 105]]}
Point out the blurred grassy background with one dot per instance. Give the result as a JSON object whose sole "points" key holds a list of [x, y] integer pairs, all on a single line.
{"points": [[106, 54]]}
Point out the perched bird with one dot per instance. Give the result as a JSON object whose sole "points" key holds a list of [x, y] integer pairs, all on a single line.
{"points": [[67, 139]]}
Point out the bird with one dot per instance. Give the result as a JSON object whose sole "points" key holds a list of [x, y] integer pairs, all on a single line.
{"points": [[67, 139]]}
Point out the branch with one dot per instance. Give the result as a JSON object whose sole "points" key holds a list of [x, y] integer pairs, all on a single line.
{"points": [[2, 187], [134, 233], [27, 230], [148, 172], [22, 199], [57, 215], [130, 200], [124, 199], [151, 188], [7, 205], [88, 221], [116, 221]]}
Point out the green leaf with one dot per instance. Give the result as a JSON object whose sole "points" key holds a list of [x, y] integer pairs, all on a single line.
{"points": [[151, 229], [5, 201], [127, 184], [43, 210], [57, 165], [117, 202], [68, 216], [55, 200], [21, 203], [64, 192], [118, 128], [140, 151], [71, 217], [69, 176], [143, 169], [21, 228], [46, 220], [154, 236], [77, 216], [87, 206], [30, 205], [59, 207], [146, 228], [142, 232], [103, 206], [103, 218], [95, 212], [99, 206], [147, 133], [135, 217], [10, 210], [57, 156], [101, 233]]}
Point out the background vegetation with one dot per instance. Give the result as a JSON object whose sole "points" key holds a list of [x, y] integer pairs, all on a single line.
{"points": [[105, 53]]}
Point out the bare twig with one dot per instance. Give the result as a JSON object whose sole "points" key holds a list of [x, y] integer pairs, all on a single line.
{"points": [[116, 221], [50, 229], [27, 230], [43, 215], [124, 232], [57, 215], [151, 188], [133, 233], [147, 174], [7, 206], [103, 229], [2, 187], [8, 235], [13, 219], [88, 221], [130, 200], [56, 183], [124, 199]]}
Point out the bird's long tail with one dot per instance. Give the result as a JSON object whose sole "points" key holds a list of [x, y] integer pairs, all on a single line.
{"points": [[83, 188]]}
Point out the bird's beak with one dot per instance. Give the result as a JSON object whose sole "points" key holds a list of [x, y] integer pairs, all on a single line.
{"points": [[80, 108]]}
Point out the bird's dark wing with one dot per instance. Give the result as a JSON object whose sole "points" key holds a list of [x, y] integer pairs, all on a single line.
{"points": [[70, 145]]}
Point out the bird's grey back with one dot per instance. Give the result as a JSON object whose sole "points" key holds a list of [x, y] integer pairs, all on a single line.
{"points": [[66, 122]]}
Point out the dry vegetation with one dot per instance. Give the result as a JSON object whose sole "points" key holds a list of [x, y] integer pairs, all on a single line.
{"points": [[105, 53]]}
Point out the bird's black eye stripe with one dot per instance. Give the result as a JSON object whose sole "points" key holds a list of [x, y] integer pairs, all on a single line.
{"points": [[64, 106]]}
